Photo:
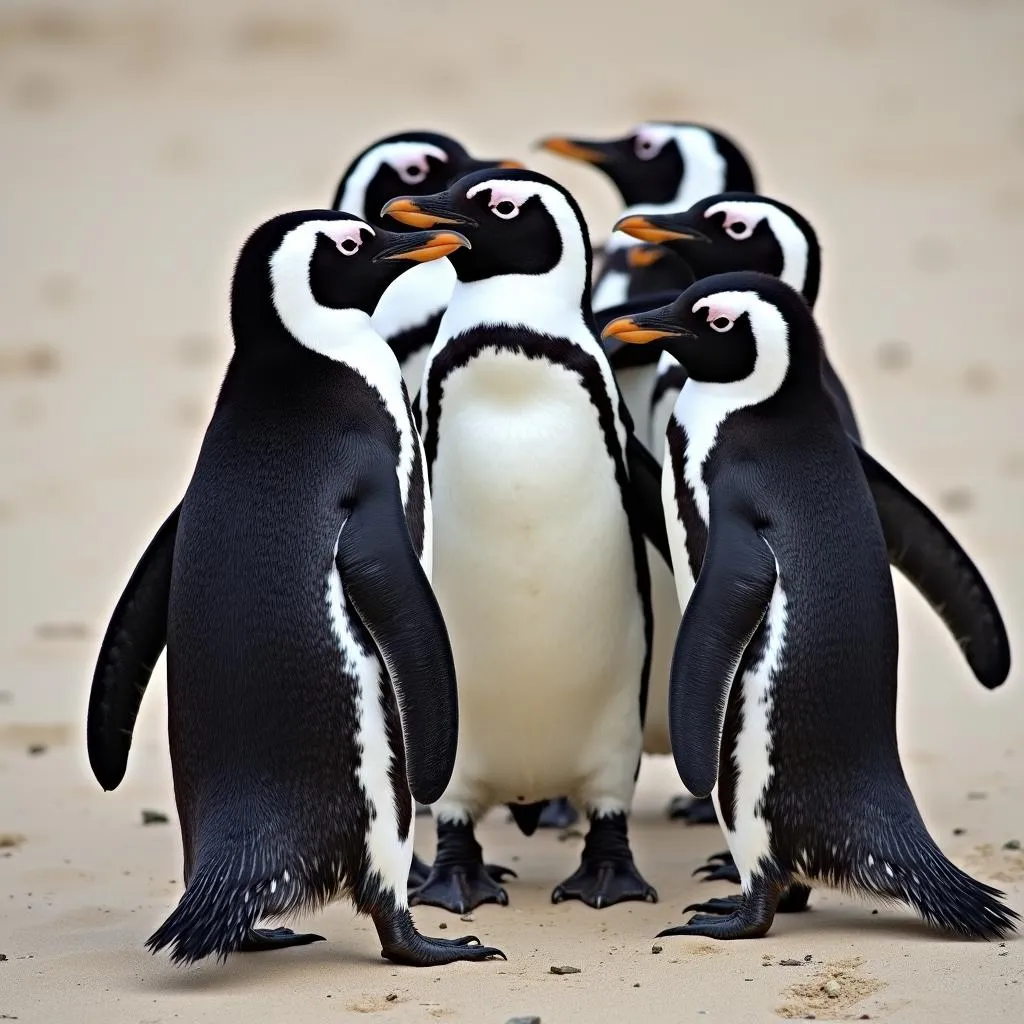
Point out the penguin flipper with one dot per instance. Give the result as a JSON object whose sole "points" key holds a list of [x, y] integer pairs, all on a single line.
{"points": [[928, 555], [390, 592], [134, 639], [645, 482], [728, 604]]}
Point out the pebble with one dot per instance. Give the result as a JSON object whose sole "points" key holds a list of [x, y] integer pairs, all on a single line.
{"points": [[790, 963], [154, 818], [565, 970], [808, 957], [523, 1020], [656, 949], [36, 749], [391, 997], [1011, 844], [959, 831], [832, 989], [3, 957], [443, 925]]}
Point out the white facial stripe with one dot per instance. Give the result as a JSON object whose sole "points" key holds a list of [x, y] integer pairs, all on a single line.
{"points": [[651, 139], [315, 326], [402, 156], [792, 241]]}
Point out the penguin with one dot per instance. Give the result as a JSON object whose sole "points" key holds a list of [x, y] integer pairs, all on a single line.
{"points": [[783, 686], [419, 163], [310, 678], [540, 513], [736, 231], [657, 166]]}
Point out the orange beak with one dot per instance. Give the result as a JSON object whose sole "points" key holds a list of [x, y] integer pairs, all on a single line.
{"points": [[408, 211], [627, 330], [648, 231], [573, 150], [640, 256], [441, 244]]}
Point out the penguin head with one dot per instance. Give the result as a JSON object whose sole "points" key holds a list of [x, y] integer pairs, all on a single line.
{"points": [[737, 231], [519, 222], [663, 162], [410, 163], [745, 331], [301, 269]]}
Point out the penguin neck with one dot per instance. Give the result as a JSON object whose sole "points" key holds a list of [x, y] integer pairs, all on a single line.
{"points": [[420, 293], [550, 303]]}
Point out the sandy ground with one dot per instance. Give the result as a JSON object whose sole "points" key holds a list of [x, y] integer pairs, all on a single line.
{"points": [[141, 143]]}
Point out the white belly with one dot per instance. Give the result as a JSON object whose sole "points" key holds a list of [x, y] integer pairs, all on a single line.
{"points": [[534, 571]]}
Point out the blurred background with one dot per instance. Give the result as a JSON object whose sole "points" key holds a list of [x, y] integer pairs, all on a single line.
{"points": [[141, 142]]}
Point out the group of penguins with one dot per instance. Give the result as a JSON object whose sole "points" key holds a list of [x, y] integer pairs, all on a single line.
{"points": [[476, 525]]}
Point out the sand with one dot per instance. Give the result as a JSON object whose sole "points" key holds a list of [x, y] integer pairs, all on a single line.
{"points": [[142, 142]]}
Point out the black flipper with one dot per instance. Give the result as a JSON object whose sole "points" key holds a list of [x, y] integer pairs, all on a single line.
{"points": [[728, 604], [840, 398], [386, 585], [928, 555], [645, 481], [132, 644], [266, 940]]}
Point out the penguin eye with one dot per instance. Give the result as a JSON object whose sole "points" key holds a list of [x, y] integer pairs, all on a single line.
{"points": [[348, 246], [645, 148], [506, 209], [740, 230], [721, 324], [412, 174]]}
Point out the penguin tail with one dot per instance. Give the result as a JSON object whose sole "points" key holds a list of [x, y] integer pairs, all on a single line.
{"points": [[908, 867], [222, 904]]}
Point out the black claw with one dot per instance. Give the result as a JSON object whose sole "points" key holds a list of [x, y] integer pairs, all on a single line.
{"points": [[720, 873], [744, 916], [263, 940], [725, 857], [693, 811], [401, 943], [558, 813], [719, 905], [607, 873], [458, 880]]}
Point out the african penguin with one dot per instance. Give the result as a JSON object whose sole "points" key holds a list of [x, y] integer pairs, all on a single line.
{"points": [[309, 673], [409, 163], [783, 688], [540, 565], [736, 231]]}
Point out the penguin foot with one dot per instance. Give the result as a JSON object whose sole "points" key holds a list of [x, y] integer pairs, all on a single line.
{"points": [[607, 873], [558, 813], [261, 940], [743, 916], [459, 880], [422, 809], [692, 811], [401, 943], [724, 872]]}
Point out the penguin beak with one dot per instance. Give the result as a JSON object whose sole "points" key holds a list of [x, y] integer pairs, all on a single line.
{"points": [[425, 211], [640, 256], [660, 228], [423, 246], [588, 151], [643, 328]]}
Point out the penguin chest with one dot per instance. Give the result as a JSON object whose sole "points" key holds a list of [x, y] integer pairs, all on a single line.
{"points": [[533, 565]]}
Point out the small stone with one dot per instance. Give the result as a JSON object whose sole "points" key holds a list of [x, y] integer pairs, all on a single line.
{"points": [[789, 963], [809, 957], [1011, 844], [1005, 952], [154, 818], [636, 984], [443, 925], [565, 970], [523, 1020], [656, 950], [391, 997], [833, 989], [864, 1016], [466, 917], [959, 831], [35, 749], [3, 958], [874, 912]]}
